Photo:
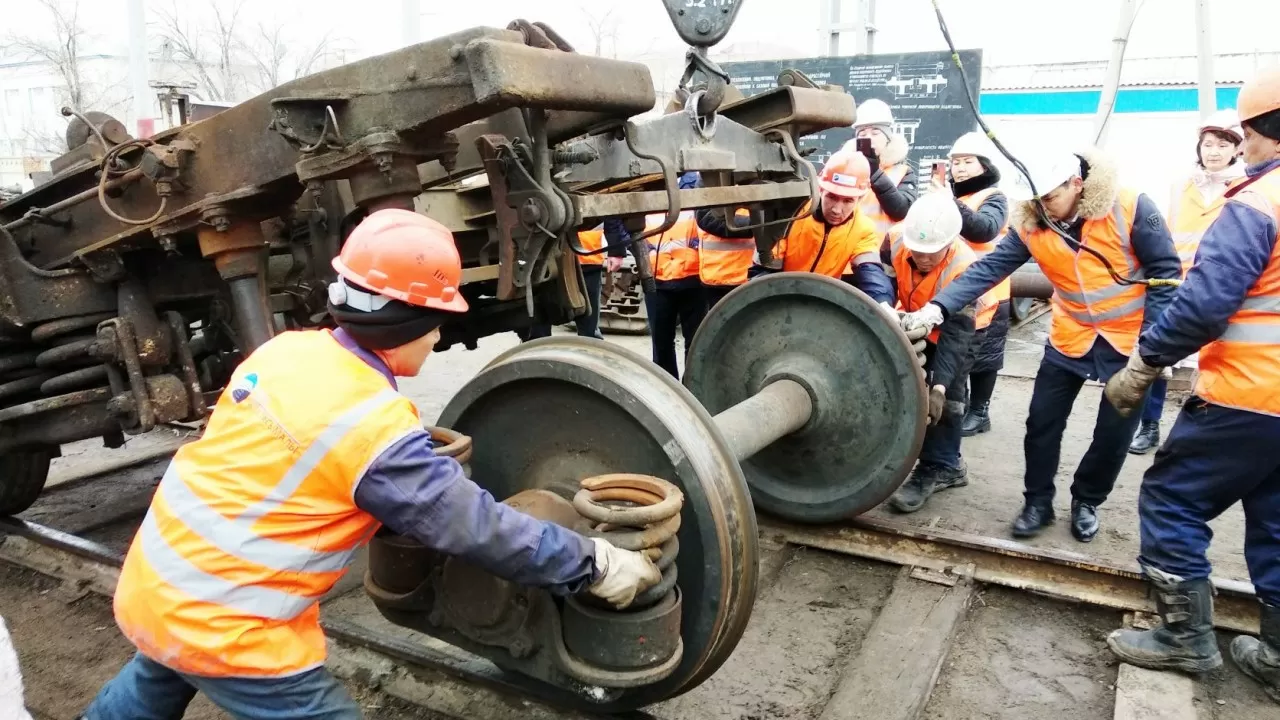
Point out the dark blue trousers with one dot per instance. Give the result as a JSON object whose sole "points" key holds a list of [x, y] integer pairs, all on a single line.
{"points": [[1051, 401], [1154, 408], [588, 324], [941, 446], [1213, 458], [669, 308]]}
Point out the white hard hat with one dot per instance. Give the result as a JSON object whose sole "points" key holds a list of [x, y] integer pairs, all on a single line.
{"points": [[1227, 121], [932, 223], [1048, 171], [972, 143], [872, 112]]}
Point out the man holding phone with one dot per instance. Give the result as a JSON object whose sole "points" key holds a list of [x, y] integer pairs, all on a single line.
{"points": [[893, 184]]}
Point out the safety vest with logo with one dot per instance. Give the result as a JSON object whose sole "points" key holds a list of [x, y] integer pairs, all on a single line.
{"points": [[673, 255], [810, 245], [870, 205], [1189, 217], [255, 521], [724, 261], [1241, 369], [916, 289], [1087, 301], [592, 239], [1003, 291]]}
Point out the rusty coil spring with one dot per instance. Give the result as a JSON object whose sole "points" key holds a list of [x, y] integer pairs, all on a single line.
{"points": [[451, 444], [637, 512], [54, 361]]}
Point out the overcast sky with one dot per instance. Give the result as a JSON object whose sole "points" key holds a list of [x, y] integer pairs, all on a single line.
{"points": [[1009, 31]]}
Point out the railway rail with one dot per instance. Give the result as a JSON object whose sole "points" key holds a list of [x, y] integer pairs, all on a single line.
{"points": [[945, 567]]}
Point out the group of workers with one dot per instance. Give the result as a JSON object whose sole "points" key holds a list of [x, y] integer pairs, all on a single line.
{"points": [[254, 522]]}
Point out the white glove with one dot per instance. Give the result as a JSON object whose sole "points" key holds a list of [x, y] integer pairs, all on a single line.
{"points": [[926, 318], [623, 574], [1126, 389]]}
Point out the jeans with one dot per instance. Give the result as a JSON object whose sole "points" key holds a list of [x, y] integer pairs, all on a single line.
{"points": [[1055, 392], [1154, 408], [716, 293], [1214, 458], [147, 690], [667, 308], [588, 324]]}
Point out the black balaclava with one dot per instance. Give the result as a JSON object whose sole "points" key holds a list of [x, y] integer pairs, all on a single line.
{"points": [[990, 177], [394, 324], [1267, 124]]}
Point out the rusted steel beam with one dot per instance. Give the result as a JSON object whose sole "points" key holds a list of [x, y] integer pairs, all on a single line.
{"points": [[606, 205], [798, 110], [1056, 573]]}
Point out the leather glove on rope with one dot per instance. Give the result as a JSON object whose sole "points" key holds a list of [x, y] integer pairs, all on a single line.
{"points": [[623, 574], [937, 403], [1127, 388]]}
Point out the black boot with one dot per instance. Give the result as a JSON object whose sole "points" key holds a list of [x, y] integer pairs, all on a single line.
{"points": [[1084, 521], [1259, 657], [916, 490], [1146, 439], [1032, 520], [1185, 641], [946, 478], [977, 420]]}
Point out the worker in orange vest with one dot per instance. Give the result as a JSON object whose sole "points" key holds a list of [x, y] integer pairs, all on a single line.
{"points": [[893, 180], [724, 261], [835, 236], [1222, 449], [678, 298], [984, 212], [928, 254], [606, 244], [1195, 204], [309, 449], [1096, 320]]}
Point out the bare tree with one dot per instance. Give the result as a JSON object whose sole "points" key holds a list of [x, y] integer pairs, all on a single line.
{"points": [[60, 49], [277, 62], [210, 55], [603, 27]]}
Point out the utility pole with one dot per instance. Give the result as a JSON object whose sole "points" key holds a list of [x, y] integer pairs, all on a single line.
{"points": [[144, 123], [410, 22], [1128, 11], [1206, 82], [830, 27]]}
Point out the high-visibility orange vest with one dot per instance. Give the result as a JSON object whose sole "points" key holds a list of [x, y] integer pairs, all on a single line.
{"points": [[724, 261], [1189, 217], [809, 247], [255, 521], [1241, 369], [870, 205], [1086, 301], [592, 239], [673, 255], [916, 289], [973, 201]]}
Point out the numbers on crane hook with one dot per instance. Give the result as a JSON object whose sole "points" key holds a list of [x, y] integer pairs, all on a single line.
{"points": [[704, 3]]}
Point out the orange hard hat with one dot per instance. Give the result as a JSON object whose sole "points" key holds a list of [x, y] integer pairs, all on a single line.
{"points": [[404, 256], [847, 174], [1260, 95]]}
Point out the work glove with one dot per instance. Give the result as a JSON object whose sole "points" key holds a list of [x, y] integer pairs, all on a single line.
{"points": [[927, 318], [623, 574], [1126, 389], [937, 403], [613, 264], [873, 159]]}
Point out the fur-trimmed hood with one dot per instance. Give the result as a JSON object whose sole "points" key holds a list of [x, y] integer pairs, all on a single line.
{"points": [[895, 152], [1101, 186]]}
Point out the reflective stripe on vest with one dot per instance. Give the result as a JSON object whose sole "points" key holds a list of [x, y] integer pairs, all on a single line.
{"points": [[674, 254], [1241, 369], [1003, 291], [1189, 218], [592, 239], [724, 261], [1086, 301], [254, 522], [915, 289]]}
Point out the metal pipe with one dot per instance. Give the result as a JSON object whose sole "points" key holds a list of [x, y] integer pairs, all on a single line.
{"points": [[781, 408], [1028, 283], [72, 201], [1128, 11], [1207, 84], [252, 314]]}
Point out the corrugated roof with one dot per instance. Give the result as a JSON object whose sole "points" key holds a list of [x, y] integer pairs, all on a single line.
{"points": [[1229, 69]]}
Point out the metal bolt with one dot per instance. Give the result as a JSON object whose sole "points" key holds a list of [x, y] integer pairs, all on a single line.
{"points": [[703, 26], [531, 212], [168, 245], [221, 223]]}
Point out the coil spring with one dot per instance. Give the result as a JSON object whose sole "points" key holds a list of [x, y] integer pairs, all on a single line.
{"points": [[637, 512], [31, 367]]}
